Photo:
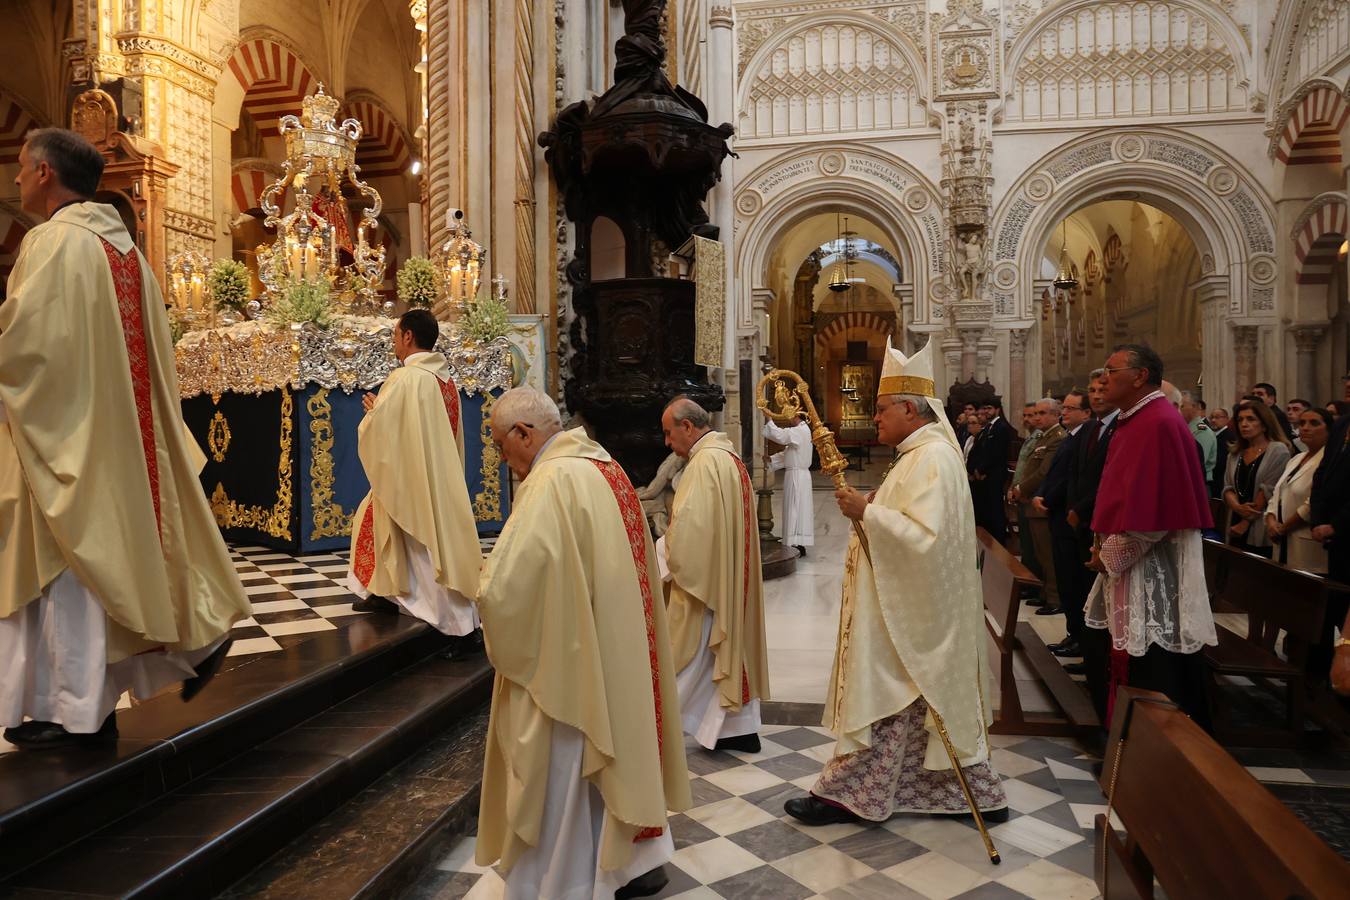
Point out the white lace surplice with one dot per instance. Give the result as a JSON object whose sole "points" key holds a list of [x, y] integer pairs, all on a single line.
{"points": [[1153, 592]]}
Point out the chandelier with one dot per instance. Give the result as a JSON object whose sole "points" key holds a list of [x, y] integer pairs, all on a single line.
{"points": [[839, 278], [320, 162]]}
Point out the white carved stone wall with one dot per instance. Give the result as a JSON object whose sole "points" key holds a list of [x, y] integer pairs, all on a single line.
{"points": [[830, 78], [1119, 60], [1324, 36]]}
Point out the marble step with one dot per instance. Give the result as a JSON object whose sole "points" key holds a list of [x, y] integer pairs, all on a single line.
{"points": [[51, 798], [384, 839], [197, 840]]}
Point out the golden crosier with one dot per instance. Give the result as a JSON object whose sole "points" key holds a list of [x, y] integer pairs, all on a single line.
{"points": [[792, 397]]}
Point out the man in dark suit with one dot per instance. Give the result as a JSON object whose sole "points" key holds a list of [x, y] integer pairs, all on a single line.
{"points": [[1085, 476], [1053, 501], [1265, 392], [1330, 503], [988, 469], [1218, 423]]}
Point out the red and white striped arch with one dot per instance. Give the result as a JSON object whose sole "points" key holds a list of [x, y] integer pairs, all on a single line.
{"points": [[274, 80], [868, 321], [12, 230], [15, 122], [247, 186], [1319, 240], [1312, 135], [383, 149]]}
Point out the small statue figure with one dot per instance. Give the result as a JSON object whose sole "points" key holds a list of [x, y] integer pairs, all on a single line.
{"points": [[971, 266], [967, 129], [659, 494]]}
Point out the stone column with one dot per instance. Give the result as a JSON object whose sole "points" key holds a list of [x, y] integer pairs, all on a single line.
{"points": [[1244, 353], [721, 97], [1211, 295], [1306, 340], [442, 77], [951, 355], [1017, 368], [970, 349]]}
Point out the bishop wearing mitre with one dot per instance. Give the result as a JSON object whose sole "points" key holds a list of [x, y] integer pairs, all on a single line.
{"points": [[715, 589], [113, 575], [911, 628], [415, 542], [584, 754]]}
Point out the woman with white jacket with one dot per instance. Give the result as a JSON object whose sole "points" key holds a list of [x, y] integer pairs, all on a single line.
{"points": [[1288, 513]]}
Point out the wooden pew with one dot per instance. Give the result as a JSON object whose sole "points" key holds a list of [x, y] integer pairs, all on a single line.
{"points": [[1275, 599], [1195, 819], [1003, 578]]}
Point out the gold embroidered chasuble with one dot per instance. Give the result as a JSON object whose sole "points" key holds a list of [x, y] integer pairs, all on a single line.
{"points": [[413, 452], [914, 624], [96, 474], [713, 548], [574, 634]]}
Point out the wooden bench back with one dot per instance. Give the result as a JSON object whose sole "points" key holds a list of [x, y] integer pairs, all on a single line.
{"points": [[1205, 825], [1274, 597], [1002, 578]]}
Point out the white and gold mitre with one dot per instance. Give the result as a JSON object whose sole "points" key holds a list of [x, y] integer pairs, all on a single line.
{"points": [[902, 374]]}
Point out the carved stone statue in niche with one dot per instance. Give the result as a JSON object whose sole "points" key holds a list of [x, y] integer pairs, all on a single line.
{"points": [[971, 266], [967, 131]]}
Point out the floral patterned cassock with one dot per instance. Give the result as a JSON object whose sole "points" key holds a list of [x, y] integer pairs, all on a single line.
{"points": [[890, 778]]}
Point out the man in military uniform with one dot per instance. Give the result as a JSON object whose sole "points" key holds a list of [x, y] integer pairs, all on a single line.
{"points": [[1193, 411]]}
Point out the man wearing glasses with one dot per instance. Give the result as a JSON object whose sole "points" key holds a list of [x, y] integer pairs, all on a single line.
{"points": [[584, 753], [414, 540]]}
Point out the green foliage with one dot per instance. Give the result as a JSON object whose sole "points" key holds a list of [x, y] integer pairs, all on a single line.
{"points": [[302, 301], [486, 320], [228, 283], [418, 283]]}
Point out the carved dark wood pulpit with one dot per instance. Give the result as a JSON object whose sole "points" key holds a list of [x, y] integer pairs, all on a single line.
{"points": [[644, 157]]}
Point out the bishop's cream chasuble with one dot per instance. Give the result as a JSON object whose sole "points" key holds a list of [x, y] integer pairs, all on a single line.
{"points": [[577, 638], [96, 474], [713, 550], [412, 449]]}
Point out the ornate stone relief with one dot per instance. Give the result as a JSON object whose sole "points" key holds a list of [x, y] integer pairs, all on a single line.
{"points": [[831, 78], [963, 55], [1324, 35], [1114, 60]]}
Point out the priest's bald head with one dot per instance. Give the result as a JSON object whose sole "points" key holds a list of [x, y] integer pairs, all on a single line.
{"points": [[683, 422], [56, 167], [523, 421]]}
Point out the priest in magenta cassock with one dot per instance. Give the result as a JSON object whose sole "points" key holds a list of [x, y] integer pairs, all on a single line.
{"points": [[911, 628], [584, 753], [715, 590], [414, 539], [113, 575], [799, 522], [1152, 503]]}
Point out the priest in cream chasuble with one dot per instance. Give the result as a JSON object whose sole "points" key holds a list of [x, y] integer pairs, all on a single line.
{"points": [[584, 752], [715, 589], [113, 575], [911, 627], [414, 539]]}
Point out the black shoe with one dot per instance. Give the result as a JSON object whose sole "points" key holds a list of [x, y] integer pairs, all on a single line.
{"points": [[1076, 668], [1048, 610], [1066, 647], [462, 646], [746, 743], [48, 735], [206, 670], [375, 604], [644, 885], [1034, 601], [992, 816], [810, 810], [801, 551]]}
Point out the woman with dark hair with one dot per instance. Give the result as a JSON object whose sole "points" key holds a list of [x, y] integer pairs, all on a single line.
{"points": [[1289, 511], [1255, 463]]}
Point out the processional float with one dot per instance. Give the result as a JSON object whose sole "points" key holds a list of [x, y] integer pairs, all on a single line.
{"points": [[791, 398]]}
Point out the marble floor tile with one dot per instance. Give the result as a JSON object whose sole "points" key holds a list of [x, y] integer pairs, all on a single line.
{"points": [[271, 606], [730, 816], [702, 892], [742, 779], [874, 887], [773, 840], [822, 868], [824, 833], [1283, 776], [1085, 814], [935, 876], [489, 886], [1034, 836], [460, 858], [768, 749], [1026, 798], [716, 859], [1066, 772], [337, 610], [763, 883], [1008, 763], [301, 626], [247, 646], [332, 590], [1045, 879]]}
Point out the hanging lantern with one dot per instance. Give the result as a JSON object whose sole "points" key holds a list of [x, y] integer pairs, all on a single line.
{"points": [[1065, 280]]}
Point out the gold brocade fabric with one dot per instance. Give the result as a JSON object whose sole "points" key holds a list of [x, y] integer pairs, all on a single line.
{"points": [[710, 289], [563, 620], [713, 549], [914, 625], [74, 487], [417, 483]]}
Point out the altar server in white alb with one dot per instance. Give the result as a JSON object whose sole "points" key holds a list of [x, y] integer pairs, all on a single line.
{"points": [[414, 542], [113, 575], [911, 628], [715, 594], [799, 523]]}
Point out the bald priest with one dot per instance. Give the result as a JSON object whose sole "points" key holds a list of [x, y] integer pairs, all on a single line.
{"points": [[113, 575], [715, 586], [414, 541], [911, 628], [584, 753]]}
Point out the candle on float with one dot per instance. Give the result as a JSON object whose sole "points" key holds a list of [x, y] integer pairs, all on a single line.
{"points": [[196, 291], [293, 258], [179, 290]]}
